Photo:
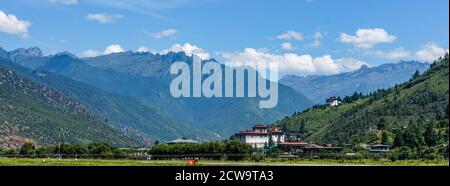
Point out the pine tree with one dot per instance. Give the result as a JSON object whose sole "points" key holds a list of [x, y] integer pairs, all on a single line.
{"points": [[416, 74], [384, 138], [381, 125], [398, 140], [430, 135], [302, 127]]}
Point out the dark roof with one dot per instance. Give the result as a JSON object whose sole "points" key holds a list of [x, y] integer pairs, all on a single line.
{"points": [[182, 141]]}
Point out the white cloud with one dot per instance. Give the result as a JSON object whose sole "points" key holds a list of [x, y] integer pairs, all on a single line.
{"points": [[65, 2], [103, 18], [350, 64], [165, 33], [398, 53], [189, 49], [144, 49], [293, 63], [317, 40], [367, 38], [286, 46], [430, 52], [290, 35], [113, 48], [10, 24], [90, 53]]}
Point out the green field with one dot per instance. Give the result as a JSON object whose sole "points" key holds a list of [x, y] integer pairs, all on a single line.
{"points": [[101, 162]]}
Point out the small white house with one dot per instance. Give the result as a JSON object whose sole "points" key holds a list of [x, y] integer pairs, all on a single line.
{"points": [[333, 101]]}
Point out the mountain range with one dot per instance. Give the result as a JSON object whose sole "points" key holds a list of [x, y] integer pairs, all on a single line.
{"points": [[131, 91], [363, 80], [199, 118]]}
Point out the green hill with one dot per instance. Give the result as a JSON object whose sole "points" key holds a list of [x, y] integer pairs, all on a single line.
{"points": [[30, 112], [413, 114]]}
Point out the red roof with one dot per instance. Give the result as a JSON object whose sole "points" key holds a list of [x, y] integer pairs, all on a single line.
{"points": [[256, 132], [252, 132], [293, 143]]}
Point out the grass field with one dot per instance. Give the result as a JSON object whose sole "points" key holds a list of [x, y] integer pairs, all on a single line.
{"points": [[99, 162]]}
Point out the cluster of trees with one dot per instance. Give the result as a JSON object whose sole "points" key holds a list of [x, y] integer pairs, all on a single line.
{"points": [[93, 149], [421, 134], [215, 147], [104, 150]]}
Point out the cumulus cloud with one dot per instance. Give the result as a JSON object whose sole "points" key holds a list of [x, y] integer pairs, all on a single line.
{"points": [[290, 35], [64, 2], [397, 53], [317, 40], [367, 38], [294, 63], [113, 48], [103, 18], [430, 52], [286, 46], [165, 33], [10, 24], [189, 49]]}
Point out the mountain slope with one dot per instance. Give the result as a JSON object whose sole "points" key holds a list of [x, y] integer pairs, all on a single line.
{"points": [[139, 119], [364, 80], [30, 112], [30, 58], [405, 111], [150, 82]]}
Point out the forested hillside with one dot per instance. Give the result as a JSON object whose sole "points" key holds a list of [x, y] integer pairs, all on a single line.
{"points": [[30, 112], [412, 114]]}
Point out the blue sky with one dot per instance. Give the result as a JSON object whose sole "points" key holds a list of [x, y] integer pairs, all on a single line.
{"points": [[304, 36]]}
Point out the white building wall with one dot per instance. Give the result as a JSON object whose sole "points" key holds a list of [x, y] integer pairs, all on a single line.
{"points": [[257, 141], [276, 137]]}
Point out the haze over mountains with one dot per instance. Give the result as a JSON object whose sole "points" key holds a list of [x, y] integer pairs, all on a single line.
{"points": [[364, 80], [131, 91]]}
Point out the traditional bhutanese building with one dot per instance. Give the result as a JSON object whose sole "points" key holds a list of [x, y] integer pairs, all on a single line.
{"points": [[260, 135], [333, 101]]}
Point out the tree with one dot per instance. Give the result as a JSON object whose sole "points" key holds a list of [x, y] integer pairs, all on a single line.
{"points": [[430, 135], [71, 149], [156, 142], [398, 140], [416, 74], [301, 130], [384, 138], [413, 135], [237, 147], [99, 148], [27, 148], [381, 125]]}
